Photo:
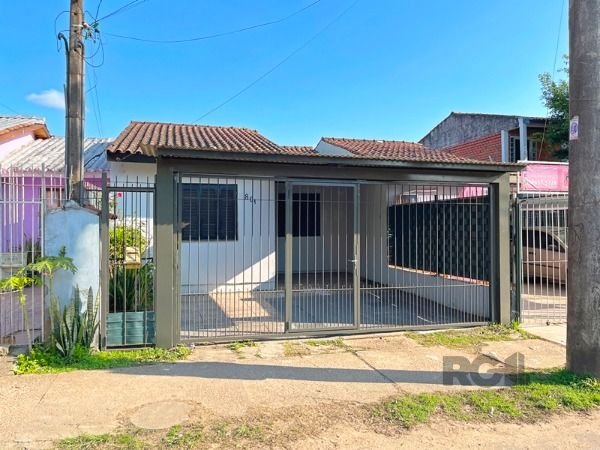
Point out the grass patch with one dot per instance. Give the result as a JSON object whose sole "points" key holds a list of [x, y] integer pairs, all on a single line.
{"points": [[533, 395], [471, 337], [121, 441], [238, 346], [179, 437], [46, 360]]}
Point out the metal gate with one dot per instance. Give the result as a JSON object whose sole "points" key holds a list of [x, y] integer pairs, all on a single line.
{"points": [[266, 256], [540, 243], [128, 265]]}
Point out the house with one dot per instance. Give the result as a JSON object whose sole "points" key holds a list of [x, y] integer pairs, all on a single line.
{"points": [[16, 131], [491, 137], [32, 180], [254, 239]]}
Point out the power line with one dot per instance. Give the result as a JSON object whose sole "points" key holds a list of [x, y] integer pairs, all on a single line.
{"points": [[8, 108], [560, 21], [280, 63], [216, 35], [123, 8]]}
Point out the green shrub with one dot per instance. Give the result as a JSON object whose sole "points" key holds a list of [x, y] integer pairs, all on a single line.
{"points": [[131, 289], [123, 236]]}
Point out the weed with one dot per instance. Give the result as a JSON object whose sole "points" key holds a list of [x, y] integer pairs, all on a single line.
{"points": [[47, 360], [178, 437], [238, 346], [471, 337], [337, 343], [533, 395], [294, 349], [121, 441]]}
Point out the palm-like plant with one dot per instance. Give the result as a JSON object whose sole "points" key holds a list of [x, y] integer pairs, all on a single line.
{"points": [[47, 267], [17, 283]]}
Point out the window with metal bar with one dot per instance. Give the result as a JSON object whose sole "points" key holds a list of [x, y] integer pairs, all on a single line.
{"points": [[209, 212], [306, 206]]}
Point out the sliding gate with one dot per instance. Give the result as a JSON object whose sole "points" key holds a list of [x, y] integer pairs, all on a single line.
{"points": [[265, 257]]}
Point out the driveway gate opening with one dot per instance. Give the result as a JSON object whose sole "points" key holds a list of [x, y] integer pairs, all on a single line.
{"points": [[266, 256]]}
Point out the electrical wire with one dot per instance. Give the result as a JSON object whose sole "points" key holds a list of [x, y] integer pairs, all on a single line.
{"points": [[216, 35], [8, 108], [280, 63], [123, 8], [560, 22]]}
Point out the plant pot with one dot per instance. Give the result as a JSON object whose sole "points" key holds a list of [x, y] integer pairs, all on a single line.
{"points": [[130, 328]]}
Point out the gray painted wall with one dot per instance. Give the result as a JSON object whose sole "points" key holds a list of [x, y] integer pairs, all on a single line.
{"points": [[459, 128]]}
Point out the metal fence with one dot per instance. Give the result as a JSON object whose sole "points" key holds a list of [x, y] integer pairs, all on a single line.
{"points": [[25, 196], [540, 242], [261, 256]]}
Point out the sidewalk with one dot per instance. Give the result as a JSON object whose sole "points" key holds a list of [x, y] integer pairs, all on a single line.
{"points": [[553, 333], [217, 382]]}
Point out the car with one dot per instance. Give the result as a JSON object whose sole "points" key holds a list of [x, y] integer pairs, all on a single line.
{"points": [[545, 254]]}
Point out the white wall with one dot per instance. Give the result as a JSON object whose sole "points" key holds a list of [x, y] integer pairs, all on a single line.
{"points": [[457, 294], [77, 229], [241, 265], [334, 247]]}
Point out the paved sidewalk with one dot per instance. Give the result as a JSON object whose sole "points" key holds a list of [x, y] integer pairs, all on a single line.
{"points": [[217, 382], [552, 333]]}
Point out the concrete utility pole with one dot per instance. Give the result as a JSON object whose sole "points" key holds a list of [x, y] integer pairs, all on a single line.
{"points": [[74, 104], [583, 324]]}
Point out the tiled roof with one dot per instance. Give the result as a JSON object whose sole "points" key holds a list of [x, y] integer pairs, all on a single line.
{"points": [[51, 153], [9, 124], [487, 148], [144, 137], [298, 149], [391, 150]]}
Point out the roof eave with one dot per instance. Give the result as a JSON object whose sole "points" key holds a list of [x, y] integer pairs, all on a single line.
{"points": [[336, 160]]}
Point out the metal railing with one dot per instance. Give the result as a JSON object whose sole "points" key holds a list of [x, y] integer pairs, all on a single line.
{"points": [[25, 196], [541, 247], [261, 256]]}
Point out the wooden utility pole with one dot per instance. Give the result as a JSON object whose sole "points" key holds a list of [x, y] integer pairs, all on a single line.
{"points": [[74, 105], [583, 321]]}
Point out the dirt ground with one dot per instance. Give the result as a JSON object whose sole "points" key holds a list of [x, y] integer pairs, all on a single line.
{"points": [[318, 389]]}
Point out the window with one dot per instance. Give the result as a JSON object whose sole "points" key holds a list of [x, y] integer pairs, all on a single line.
{"points": [[209, 212], [306, 215], [515, 149]]}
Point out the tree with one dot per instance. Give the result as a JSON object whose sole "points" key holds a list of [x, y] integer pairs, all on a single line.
{"points": [[555, 95]]}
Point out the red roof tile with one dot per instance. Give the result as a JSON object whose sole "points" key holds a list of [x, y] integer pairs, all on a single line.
{"points": [[392, 150], [299, 149], [144, 137], [487, 148]]}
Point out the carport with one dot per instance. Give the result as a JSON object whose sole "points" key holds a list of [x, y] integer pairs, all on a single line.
{"points": [[266, 245]]}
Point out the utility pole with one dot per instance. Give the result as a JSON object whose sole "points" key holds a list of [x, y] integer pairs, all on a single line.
{"points": [[74, 105], [583, 321]]}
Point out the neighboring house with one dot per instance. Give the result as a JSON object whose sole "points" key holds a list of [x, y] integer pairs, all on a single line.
{"points": [[32, 178], [491, 137], [16, 131], [352, 234]]}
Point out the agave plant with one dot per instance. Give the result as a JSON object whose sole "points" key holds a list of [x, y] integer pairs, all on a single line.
{"points": [[17, 283], [74, 328]]}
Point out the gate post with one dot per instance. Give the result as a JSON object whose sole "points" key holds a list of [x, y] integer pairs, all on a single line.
{"points": [[500, 250], [167, 301], [104, 255]]}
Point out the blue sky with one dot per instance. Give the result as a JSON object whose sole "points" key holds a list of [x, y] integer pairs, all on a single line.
{"points": [[387, 69]]}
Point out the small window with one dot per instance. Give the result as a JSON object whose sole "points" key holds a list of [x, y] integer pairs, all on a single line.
{"points": [[306, 215], [209, 212]]}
